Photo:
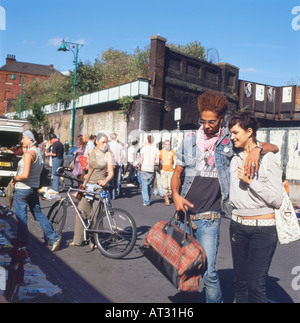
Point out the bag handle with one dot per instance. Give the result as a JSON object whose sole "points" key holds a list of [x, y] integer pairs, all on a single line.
{"points": [[187, 221]]}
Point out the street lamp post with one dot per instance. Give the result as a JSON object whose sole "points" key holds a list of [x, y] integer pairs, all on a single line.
{"points": [[21, 96], [67, 46]]}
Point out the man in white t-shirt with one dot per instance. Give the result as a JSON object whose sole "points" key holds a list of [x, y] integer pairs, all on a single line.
{"points": [[149, 158], [116, 149]]}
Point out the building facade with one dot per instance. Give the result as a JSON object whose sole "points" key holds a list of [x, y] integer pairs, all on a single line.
{"points": [[13, 74]]}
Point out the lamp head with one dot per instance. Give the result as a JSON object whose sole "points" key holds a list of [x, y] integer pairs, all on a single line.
{"points": [[63, 47], [13, 77]]}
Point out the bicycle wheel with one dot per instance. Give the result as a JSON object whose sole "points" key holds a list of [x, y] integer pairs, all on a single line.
{"points": [[121, 234], [57, 215]]}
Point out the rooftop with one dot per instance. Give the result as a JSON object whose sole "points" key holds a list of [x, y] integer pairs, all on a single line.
{"points": [[27, 68]]}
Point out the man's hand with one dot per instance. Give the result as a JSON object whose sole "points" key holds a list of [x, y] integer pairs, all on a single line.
{"points": [[181, 204], [252, 162]]}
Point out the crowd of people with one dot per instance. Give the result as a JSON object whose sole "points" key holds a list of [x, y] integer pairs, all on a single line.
{"points": [[216, 171]]}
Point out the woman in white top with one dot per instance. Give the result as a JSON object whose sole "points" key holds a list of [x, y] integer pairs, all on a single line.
{"points": [[252, 230], [26, 184]]}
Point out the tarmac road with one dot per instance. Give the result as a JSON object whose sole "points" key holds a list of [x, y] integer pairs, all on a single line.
{"points": [[89, 277]]}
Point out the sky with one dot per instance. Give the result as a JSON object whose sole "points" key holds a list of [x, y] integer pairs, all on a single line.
{"points": [[260, 37]]}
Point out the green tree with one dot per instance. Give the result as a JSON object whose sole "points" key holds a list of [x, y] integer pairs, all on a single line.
{"points": [[38, 120], [194, 49], [113, 67]]}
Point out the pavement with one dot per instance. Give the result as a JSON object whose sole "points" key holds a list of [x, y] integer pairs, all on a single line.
{"points": [[83, 276]]}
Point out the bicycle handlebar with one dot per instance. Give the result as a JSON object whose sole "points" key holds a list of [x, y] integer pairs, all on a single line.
{"points": [[61, 173]]}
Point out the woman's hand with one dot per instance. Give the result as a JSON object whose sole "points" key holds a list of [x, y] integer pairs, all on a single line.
{"points": [[102, 182], [12, 183], [243, 175]]}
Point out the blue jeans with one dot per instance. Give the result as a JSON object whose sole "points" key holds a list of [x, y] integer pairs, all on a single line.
{"points": [[252, 248], [208, 234], [116, 181], [56, 162], [147, 185], [30, 197]]}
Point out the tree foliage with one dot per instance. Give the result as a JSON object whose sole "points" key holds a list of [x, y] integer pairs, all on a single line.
{"points": [[111, 68], [38, 120], [194, 49]]}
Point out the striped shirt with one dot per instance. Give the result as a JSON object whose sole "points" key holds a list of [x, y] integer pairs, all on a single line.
{"points": [[263, 195]]}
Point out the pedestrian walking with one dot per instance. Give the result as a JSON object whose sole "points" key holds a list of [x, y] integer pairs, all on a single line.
{"points": [[166, 162], [116, 149], [203, 160], [131, 164], [57, 155], [253, 234], [157, 189], [77, 170], [42, 145], [89, 144], [149, 157], [26, 185], [101, 165]]}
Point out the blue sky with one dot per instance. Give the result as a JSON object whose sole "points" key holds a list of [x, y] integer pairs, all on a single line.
{"points": [[254, 35]]}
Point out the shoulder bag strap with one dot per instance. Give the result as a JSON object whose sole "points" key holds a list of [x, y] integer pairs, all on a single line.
{"points": [[89, 176]]}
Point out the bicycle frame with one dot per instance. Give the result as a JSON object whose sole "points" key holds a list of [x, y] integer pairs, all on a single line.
{"points": [[102, 200], [113, 229]]}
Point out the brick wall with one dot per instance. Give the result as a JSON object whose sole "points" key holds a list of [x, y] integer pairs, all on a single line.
{"points": [[11, 89]]}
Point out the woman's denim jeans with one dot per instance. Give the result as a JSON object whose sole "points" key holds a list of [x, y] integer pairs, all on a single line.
{"points": [[208, 234], [147, 185], [56, 162], [30, 197], [253, 248]]}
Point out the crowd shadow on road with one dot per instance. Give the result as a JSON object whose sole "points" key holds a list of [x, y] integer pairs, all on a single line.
{"points": [[74, 287], [275, 293]]}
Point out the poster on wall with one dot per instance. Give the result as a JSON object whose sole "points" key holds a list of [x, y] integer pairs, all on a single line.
{"points": [[260, 93], [248, 90], [270, 94], [177, 137], [287, 94]]}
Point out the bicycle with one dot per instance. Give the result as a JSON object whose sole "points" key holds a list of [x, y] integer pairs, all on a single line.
{"points": [[114, 232]]}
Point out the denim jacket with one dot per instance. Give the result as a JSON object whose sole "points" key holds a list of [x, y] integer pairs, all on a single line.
{"points": [[188, 156]]}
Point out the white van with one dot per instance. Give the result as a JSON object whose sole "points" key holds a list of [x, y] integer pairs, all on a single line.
{"points": [[10, 148]]}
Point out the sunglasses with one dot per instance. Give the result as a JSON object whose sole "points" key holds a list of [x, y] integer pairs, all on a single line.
{"points": [[210, 122]]}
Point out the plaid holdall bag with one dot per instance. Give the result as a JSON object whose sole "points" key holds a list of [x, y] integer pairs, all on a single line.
{"points": [[177, 255]]}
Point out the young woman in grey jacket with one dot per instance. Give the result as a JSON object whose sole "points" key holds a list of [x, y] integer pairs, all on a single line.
{"points": [[252, 230]]}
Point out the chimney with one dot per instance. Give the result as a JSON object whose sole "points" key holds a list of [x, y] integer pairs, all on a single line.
{"points": [[51, 66], [157, 66], [10, 59]]}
